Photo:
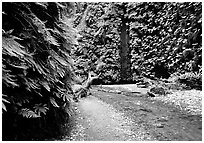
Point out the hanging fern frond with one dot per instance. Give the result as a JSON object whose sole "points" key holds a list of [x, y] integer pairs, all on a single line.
{"points": [[8, 79], [53, 102], [39, 108], [25, 112], [12, 48], [4, 107], [66, 97], [46, 85], [59, 59], [44, 31], [4, 100], [42, 4]]}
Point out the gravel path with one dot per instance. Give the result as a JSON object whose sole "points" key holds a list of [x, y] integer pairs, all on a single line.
{"points": [[116, 116], [189, 100], [100, 121]]}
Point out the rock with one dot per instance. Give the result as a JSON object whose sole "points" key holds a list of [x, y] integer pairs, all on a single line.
{"points": [[159, 125], [158, 90], [118, 91], [163, 119]]}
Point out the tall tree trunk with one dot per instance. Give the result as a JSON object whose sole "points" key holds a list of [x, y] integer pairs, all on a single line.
{"points": [[125, 63]]}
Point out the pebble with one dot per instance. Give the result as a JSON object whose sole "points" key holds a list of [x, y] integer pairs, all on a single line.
{"points": [[159, 125]]}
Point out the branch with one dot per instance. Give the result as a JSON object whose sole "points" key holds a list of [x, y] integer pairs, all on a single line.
{"points": [[90, 80]]}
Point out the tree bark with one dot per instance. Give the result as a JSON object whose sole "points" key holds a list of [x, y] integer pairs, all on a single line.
{"points": [[125, 63]]}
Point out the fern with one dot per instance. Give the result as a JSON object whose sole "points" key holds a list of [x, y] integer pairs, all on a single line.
{"points": [[8, 79], [53, 102], [36, 64], [4, 100], [39, 108], [25, 112], [11, 47], [46, 85], [44, 31]]}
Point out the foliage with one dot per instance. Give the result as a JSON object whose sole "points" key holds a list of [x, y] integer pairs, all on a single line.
{"points": [[169, 33], [98, 49], [191, 79], [39, 60], [37, 69]]}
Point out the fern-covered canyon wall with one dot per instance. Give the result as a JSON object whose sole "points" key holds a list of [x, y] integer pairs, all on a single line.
{"points": [[48, 47], [169, 33], [159, 39], [37, 69]]}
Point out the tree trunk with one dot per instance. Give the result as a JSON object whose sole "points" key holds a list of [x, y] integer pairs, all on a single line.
{"points": [[125, 63]]}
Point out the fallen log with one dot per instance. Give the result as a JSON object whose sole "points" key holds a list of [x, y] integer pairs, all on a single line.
{"points": [[83, 90]]}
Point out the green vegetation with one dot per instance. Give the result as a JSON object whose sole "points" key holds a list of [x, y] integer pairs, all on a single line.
{"points": [[161, 39], [37, 69], [169, 33], [48, 47]]}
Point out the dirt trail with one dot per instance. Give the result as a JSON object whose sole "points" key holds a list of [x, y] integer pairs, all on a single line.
{"points": [[108, 117], [98, 120]]}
